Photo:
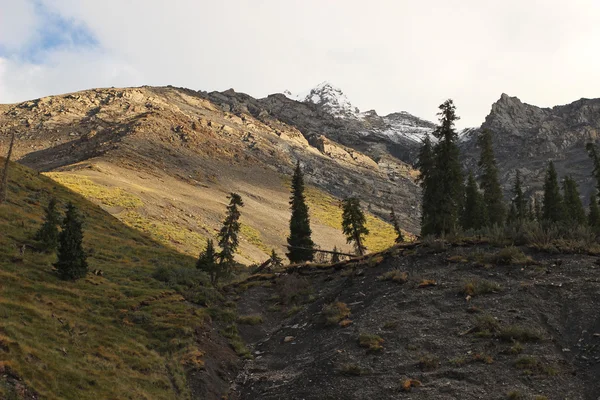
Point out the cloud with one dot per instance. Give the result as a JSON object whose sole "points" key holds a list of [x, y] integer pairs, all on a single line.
{"points": [[389, 55]]}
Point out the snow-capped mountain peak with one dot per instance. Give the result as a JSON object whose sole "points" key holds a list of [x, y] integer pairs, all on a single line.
{"points": [[330, 98]]}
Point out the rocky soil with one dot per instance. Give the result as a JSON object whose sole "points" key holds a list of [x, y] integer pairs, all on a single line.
{"points": [[526, 331]]}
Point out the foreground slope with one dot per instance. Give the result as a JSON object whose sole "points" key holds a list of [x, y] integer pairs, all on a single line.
{"points": [[121, 335], [471, 322], [164, 159]]}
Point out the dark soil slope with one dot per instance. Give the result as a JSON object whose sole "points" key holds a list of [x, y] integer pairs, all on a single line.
{"points": [[468, 323]]}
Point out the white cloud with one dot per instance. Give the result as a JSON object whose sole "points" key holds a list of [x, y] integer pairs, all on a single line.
{"points": [[385, 54], [17, 23]]}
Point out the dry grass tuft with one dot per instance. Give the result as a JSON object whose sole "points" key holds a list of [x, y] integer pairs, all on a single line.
{"points": [[335, 312], [372, 342], [394, 275]]}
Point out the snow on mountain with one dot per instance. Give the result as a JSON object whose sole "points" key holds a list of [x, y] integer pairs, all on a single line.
{"points": [[405, 125], [330, 98], [396, 126]]}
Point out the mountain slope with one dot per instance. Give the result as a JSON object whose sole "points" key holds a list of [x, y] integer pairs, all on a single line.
{"points": [[121, 335], [163, 160], [426, 323]]}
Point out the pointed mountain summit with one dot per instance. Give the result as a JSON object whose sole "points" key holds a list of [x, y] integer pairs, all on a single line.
{"points": [[330, 98]]}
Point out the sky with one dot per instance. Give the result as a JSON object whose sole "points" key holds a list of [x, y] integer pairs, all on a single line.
{"points": [[387, 55]]}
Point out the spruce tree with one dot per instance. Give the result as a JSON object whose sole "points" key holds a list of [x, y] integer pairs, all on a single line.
{"points": [[512, 216], [276, 261], [207, 262], [492, 192], [228, 236], [354, 223], [396, 225], [4, 179], [593, 153], [425, 161], [537, 210], [573, 207], [519, 202], [47, 235], [552, 203], [594, 214], [72, 259], [474, 212], [442, 180], [300, 245]]}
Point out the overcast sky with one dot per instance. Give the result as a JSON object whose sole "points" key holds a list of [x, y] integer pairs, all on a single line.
{"points": [[387, 55]]}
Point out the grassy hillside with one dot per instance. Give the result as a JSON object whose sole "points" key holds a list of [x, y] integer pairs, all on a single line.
{"points": [[122, 335]]}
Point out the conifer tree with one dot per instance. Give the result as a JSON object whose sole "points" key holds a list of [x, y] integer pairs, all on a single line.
{"points": [[354, 223], [442, 180], [276, 261], [573, 207], [425, 161], [593, 153], [531, 214], [492, 192], [396, 225], [519, 202], [594, 214], [553, 206], [537, 210], [300, 244], [207, 262], [72, 259], [228, 236], [4, 179], [335, 257], [512, 216], [474, 213], [47, 235]]}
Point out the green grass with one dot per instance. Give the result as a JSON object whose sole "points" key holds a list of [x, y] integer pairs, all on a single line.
{"points": [[105, 195], [165, 232], [123, 335], [253, 236]]}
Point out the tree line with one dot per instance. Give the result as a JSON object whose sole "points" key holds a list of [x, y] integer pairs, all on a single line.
{"points": [[453, 203]]}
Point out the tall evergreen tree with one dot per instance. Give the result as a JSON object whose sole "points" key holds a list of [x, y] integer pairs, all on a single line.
{"points": [[573, 207], [47, 235], [553, 206], [425, 161], [72, 259], [4, 179], [593, 153], [300, 244], [474, 213], [228, 236], [594, 214], [537, 210], [207, 262], [354, 223], [492, 192], [519, 202], [442, 181], [396, 225]]}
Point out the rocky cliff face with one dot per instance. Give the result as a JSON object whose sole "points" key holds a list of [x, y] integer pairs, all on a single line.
{"points": [[526, 137]]}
